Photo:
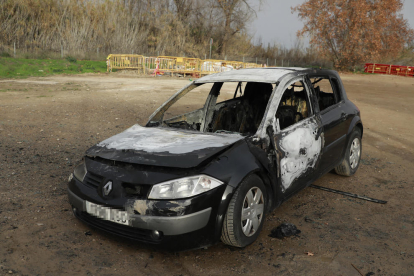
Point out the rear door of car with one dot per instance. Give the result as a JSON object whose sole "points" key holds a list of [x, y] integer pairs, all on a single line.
{"points": [[298, 143], [333, 116]]}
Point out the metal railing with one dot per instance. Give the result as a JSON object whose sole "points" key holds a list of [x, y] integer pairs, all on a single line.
{"points": [[174, 65], [389, 69], [135, 62]]}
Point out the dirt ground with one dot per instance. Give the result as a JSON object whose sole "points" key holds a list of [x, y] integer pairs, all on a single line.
{"points": [[46, 124]]}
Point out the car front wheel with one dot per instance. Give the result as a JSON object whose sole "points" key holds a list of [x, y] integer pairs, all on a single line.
{"points": [[245, 214], [352, 158]]}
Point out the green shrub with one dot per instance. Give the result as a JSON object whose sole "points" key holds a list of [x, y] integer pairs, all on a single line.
{"points": [[71, 59], [5, 54]]}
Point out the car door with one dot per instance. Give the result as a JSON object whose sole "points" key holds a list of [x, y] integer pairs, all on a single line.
{"points": [[333, 117], [298, 139]]}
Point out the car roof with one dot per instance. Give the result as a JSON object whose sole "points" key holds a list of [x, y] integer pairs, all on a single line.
{"points": [[271, 75]]}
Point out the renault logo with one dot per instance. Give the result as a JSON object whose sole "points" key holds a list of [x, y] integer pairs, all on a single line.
{"points": [[107, 188]]}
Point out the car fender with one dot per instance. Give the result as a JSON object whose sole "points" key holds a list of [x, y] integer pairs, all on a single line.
{"points": [[355, 121], [235, 165]]}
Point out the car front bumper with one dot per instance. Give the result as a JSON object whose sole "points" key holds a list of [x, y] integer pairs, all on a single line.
{"points": [[173, 224], [169, 226]]}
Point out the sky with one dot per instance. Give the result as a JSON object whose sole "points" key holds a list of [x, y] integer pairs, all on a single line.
{"points": [[275, 22]]}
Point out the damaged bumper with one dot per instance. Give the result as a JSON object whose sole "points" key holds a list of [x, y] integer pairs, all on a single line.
{"points": [[176, 224], [167, 225]]}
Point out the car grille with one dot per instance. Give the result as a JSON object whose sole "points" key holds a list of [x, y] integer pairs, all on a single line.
{"points": [[93, 180], [136, 190], [129, 232], [131, 190]]}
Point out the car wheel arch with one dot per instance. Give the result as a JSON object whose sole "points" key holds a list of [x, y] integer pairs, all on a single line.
{"points": [[361, 128], [255, 180], [346, 168], [356, 122], [229, 193]]}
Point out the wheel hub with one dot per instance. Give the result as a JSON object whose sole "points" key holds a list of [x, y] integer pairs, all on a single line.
{"points": [[252, 211], [354, 153]]}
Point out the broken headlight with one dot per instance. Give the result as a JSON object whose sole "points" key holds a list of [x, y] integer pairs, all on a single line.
{"points": [[184, 187], [80, 171]]}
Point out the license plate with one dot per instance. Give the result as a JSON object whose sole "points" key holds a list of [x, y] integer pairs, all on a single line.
{"points": [[107, 213]]}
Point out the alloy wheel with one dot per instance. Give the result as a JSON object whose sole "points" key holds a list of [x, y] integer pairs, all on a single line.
{"points": [[252, 211], [354, 153]]}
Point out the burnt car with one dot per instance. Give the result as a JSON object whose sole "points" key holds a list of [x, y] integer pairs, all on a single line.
{"points": [[201, 171]]}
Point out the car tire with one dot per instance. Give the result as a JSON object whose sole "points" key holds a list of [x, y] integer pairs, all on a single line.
{"points": [[251, 199], [352, 157]]}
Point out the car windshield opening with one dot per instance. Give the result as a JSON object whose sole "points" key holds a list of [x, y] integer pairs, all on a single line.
{"points": [[221, 107]]}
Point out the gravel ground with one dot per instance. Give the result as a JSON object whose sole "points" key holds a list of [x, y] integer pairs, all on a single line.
{"points": [[46, 124]]}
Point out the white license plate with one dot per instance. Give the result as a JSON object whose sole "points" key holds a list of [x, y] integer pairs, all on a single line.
{"points": [[107, 213]]}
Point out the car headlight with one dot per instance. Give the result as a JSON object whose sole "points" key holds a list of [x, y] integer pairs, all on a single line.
{"points": [[184, 187], [80, 171]]}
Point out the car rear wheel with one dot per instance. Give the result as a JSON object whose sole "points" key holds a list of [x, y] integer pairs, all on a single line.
{"points": [[245, 214], [352, 158]]}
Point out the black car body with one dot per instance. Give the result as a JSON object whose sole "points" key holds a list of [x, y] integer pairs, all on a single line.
{"points": [[222, 167]]}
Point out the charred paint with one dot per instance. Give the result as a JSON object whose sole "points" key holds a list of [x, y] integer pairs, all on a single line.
{"points": [[253, 75], [157, 208], [302, 148], [167, 140]]}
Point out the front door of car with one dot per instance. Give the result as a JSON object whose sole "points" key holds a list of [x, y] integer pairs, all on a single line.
{"points": [[298, 140]]}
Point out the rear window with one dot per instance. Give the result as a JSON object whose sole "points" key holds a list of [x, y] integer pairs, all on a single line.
{"points": [[327, 91]]}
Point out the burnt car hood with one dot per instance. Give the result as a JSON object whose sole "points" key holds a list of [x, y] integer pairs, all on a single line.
{"points": [[164, 147]]}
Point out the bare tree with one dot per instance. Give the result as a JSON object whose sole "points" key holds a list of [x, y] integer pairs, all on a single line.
{"points": [[233, 15]]}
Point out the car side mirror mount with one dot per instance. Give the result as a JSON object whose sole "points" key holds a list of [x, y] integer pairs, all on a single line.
{"points": [[271, 133], [277, 125]]}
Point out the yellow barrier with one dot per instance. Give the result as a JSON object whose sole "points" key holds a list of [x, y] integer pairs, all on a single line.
{"points": [[125, 62], [189, 65], [164, 64], [180, 65], [174, 65]]}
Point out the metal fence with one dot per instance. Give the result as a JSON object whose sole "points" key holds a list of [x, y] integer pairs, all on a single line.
{"points": [[174, 65], [135, 62]]}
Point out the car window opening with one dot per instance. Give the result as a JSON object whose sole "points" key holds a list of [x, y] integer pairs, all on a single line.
{"points": [[293, 106], [234, 107], [242, 114], [326, 91]]}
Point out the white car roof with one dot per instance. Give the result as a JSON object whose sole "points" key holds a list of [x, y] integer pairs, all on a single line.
{"points": [[271, 75]]}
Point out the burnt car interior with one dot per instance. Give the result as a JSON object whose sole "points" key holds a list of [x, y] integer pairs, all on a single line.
{"points": [[242, 113], [326, 92], [293, 106]]}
